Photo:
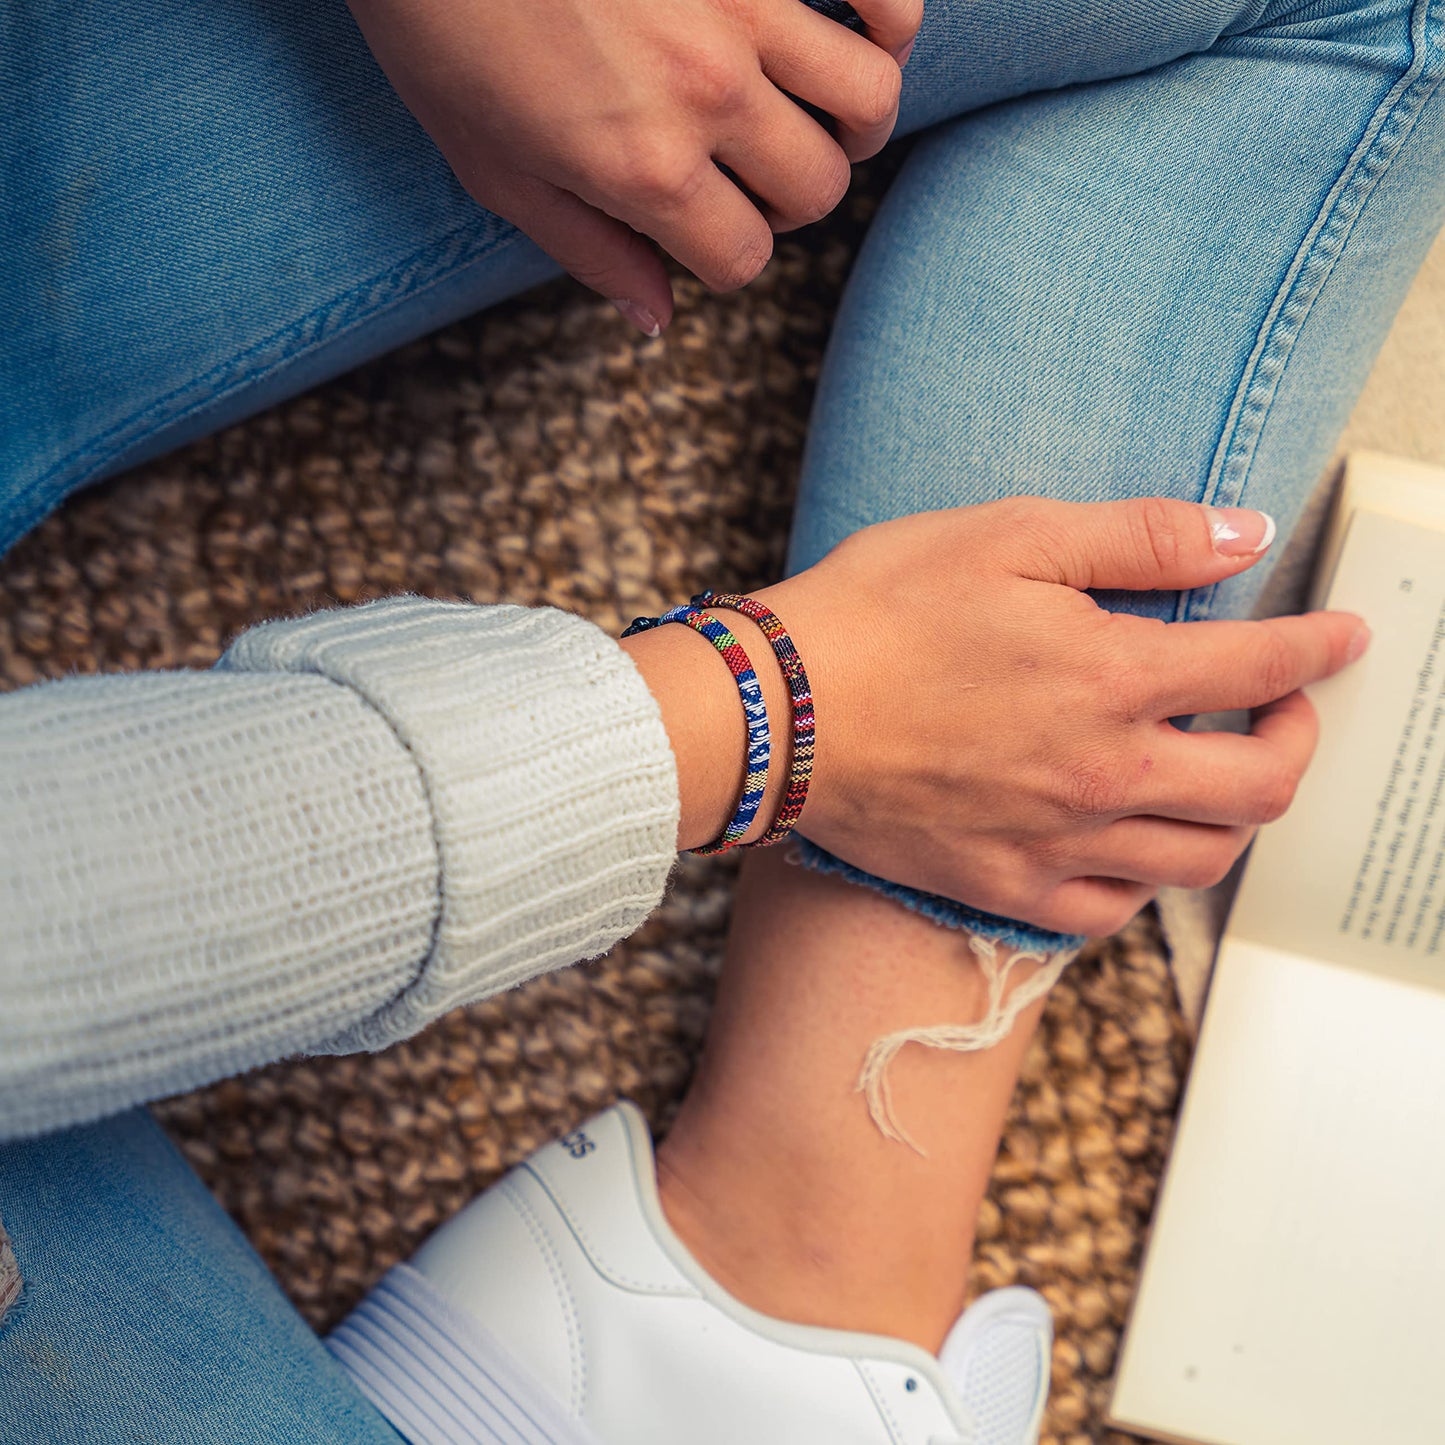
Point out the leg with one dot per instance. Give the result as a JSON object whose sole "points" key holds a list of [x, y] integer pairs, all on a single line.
{"points": [[209, 211], [816, 970], [1171, 283], [205, 212], [145, 1315]]}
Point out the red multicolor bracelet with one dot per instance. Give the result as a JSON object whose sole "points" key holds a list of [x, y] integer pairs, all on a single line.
{"points": [[800, 770]]}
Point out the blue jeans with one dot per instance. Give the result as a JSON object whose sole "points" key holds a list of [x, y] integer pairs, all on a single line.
{"points": [[146, 1315], [1156, 254]]}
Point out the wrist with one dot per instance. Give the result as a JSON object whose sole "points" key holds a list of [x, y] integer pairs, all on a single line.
{"points": [[698, 699]]}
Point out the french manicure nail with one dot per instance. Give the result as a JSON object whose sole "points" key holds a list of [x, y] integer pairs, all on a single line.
{"points": [[1358, 643], [1239, 531], [635, 314]]}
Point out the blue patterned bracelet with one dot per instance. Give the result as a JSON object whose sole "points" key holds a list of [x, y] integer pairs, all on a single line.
{"points": [[755, 782]]}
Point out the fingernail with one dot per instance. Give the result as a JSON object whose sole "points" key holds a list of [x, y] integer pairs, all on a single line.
{"points": [[1358, 643], [1240, 532], [902, 56], [639, 316]]}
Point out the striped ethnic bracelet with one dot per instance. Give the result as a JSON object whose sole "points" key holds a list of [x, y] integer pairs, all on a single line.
{"points": [[755, 782], [800, 694]]}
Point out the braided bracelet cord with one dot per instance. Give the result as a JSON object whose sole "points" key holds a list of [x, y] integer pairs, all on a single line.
{"points": [[755, 713], [800, 771]]}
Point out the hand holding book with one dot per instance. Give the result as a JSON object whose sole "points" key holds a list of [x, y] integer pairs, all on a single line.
{"points": [[986, 731]]}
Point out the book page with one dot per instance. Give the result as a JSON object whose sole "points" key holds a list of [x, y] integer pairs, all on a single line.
{"points": [[1411, 491], [1291, 1293], [1355, 872]]}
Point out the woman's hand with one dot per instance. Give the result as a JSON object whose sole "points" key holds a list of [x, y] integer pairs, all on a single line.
{"points": [[591, 124], [986, 731]]}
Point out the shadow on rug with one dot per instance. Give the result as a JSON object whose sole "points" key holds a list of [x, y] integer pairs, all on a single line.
{"points": [[542, 454]]}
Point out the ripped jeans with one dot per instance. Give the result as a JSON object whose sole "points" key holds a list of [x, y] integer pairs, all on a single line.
{"points": [[1156, 254]]}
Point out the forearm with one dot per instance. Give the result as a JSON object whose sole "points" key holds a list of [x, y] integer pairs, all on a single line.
{"points": [[364, 819], [201, 872]]}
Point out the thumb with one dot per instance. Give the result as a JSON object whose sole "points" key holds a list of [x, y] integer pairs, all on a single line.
{"points": [[1144, 543], [598, 250]]}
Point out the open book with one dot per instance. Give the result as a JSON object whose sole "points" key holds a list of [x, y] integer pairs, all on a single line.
{"points": [[1293, 1291]]}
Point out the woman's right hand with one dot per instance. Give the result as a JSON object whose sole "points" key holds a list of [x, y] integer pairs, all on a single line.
{"points": [[986, 731], [593, 124]]}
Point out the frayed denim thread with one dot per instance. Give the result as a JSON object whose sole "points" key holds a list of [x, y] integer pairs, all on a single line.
{"points": [[938, 909]]}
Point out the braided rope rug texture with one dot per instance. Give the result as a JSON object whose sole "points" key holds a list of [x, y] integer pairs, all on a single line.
{"points": [[542, 454]]}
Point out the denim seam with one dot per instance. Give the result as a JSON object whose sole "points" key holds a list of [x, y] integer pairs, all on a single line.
{"points": [[1313, 264], [364, 302]]}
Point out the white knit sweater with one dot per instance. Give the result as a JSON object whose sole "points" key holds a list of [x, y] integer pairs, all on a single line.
{"points": [[358, 821]]}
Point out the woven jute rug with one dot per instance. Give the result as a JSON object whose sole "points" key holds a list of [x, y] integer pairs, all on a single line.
{"points": [[542, 454]]}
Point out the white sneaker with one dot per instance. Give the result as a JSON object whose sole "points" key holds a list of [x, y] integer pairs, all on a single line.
{"points": [[559, 1308]]}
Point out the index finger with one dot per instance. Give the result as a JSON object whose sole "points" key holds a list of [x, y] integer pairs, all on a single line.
{"points": [[1199, 667]]}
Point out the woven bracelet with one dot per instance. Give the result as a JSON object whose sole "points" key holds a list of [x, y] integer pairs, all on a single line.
{"points": [[800, 771], [755, 783]]}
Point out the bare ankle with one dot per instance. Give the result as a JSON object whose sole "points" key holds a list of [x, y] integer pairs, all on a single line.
{"points": [[776, 1176], [812, 1261]]}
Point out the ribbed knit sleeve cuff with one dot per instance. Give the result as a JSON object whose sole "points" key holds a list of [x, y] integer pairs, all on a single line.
{"points": [[551, 782]]}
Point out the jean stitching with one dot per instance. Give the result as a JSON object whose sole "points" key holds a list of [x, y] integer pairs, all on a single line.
{"points": [[1314, 262], [421, 270]]}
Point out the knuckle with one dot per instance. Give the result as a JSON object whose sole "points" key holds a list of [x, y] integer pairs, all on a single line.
{"points": [[1048, 911], [1157, 533], [605, 279], [827, 188], [714, 82], [657, 174], [1274, 795], [1092, 789], [1022, 512], [838, 178], [743, 264], [1191, 875], [1104, 912], [878, 89], [1002, 884], [1275, 664]]}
